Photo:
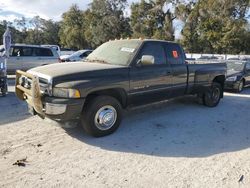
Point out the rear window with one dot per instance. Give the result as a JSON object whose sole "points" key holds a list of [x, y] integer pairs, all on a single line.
{"points": [[42, 52], [174, 53]]}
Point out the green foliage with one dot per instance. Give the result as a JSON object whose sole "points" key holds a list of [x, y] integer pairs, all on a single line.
{"points": [[209, 29], [2, 30], [141, 22], [73, 28], [153, 19], [40, 32], [210, 26], [50, 32], [106, 21]]}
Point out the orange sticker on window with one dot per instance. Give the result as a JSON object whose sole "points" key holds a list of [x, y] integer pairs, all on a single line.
{"points": [[175, 54]]}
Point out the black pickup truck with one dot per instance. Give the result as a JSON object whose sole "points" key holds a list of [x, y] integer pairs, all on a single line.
{"points": [[116, 75]]}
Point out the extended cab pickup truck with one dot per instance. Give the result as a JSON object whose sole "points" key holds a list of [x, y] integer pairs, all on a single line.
{"points": [[116, 75]]}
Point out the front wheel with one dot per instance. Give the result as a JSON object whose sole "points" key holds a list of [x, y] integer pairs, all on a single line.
{"points": [[212, 96], [101, 116]]}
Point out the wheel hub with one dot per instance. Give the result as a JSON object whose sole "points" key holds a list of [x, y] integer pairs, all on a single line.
{"points": [[105, 117], [215, 94]]}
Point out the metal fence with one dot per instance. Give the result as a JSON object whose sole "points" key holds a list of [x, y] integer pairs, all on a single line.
{"points": [[218, 56]]}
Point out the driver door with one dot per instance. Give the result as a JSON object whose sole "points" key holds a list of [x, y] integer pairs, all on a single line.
{"points": [[150, 82]]}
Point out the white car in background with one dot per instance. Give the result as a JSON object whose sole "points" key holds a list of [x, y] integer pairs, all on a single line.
{"points": [[66, 51], [77, 56], [24, 57]]}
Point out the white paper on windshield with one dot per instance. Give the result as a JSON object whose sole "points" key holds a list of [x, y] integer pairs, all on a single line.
{"points": [[130, 50]]}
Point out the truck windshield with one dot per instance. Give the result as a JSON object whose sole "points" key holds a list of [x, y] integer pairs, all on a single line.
{"points": [[118, 52], [235, 66]]}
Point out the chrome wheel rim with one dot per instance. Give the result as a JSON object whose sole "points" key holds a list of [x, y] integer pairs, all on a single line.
{"points": [[105, 117]]}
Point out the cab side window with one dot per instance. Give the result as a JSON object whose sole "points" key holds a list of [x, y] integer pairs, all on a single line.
{"points": [[174, 53], [154, 49]]}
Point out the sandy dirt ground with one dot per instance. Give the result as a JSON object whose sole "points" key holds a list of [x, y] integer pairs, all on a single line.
{"points": [[178, 143]]}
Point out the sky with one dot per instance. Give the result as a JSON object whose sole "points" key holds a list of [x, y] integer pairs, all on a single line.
{"points": [[47, 9]]}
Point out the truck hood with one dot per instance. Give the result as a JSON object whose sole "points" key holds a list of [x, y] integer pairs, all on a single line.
{"points": [[61, 72]]}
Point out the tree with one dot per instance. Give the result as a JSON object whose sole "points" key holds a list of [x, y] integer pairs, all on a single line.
{"points": [[210, 26], [190, 35], [154, 19], [2, 30], [106, 21], [21, 25], [210, 29], [141, 21], [34, 33], [50, 30], [73, 28], [164, 16]]}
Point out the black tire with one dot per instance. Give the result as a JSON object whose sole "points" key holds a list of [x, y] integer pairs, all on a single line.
{"points": [[240, 87], [199, 97], [212, 96], [101, 105]]}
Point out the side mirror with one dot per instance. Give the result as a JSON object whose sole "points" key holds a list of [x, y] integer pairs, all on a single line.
{"points": [[147, 60]]}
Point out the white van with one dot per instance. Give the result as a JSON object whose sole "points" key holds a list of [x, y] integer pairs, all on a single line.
{"points": [[25, 57]]}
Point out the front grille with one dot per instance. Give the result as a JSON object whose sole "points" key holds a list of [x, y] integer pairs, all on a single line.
{"points": [[43, 83]]}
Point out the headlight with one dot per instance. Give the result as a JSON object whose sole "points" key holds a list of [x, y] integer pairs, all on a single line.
{"points": [[231, 79], [66, 93]]}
